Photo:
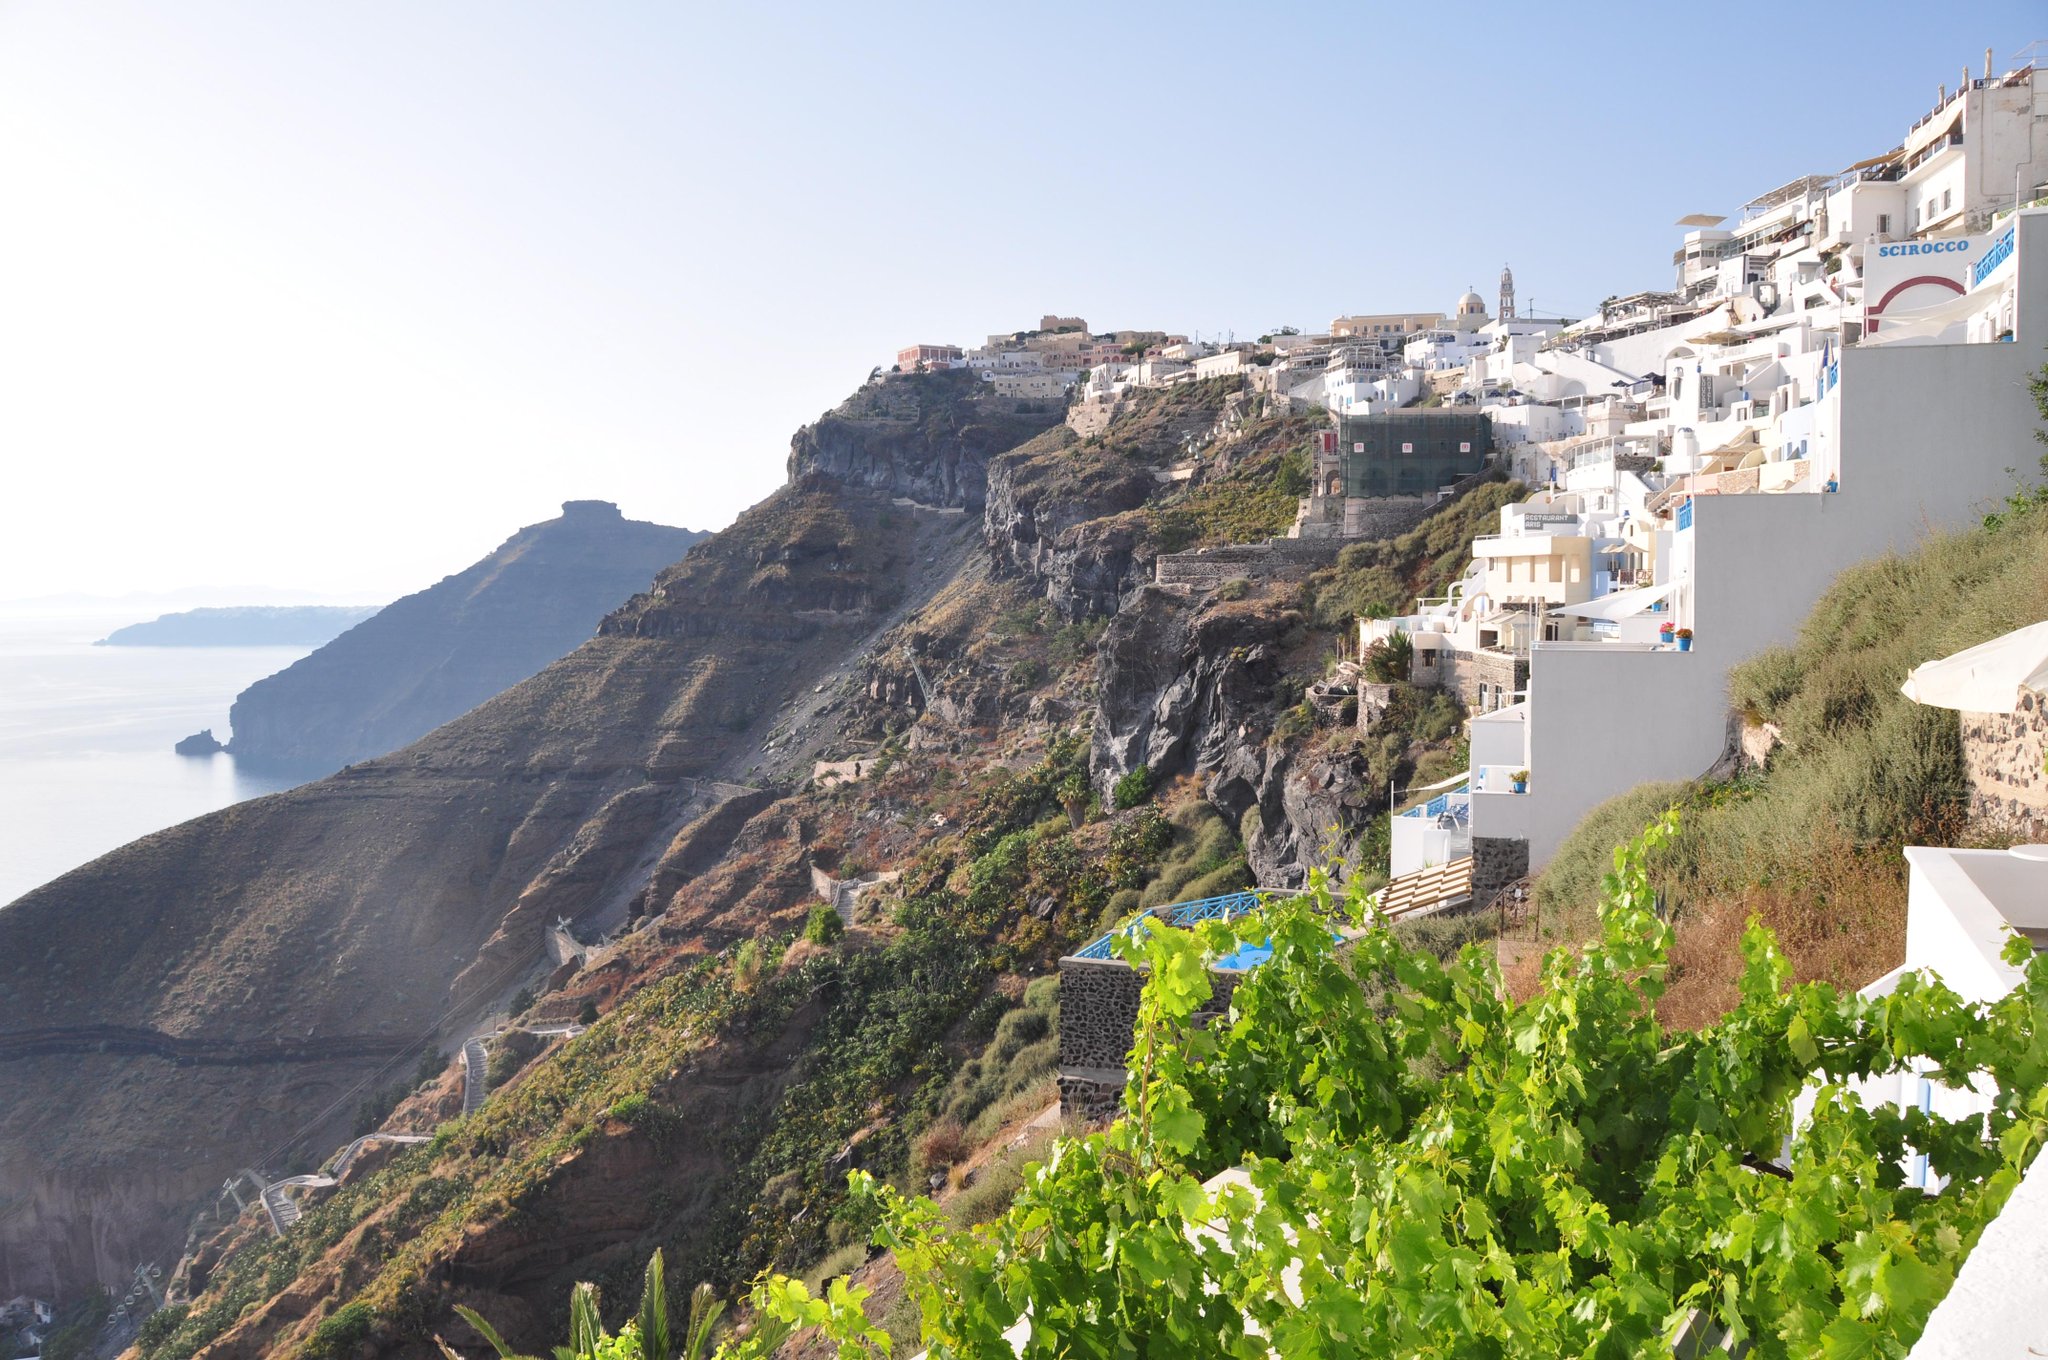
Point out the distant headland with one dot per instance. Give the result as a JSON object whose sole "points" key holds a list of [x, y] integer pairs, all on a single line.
{"points": [[307, 625]]}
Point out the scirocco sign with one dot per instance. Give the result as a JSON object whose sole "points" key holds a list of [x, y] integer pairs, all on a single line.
{"points": [[1904, 276]]}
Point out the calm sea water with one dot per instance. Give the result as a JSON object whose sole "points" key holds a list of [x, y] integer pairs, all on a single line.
{"points": [[86, 734]]}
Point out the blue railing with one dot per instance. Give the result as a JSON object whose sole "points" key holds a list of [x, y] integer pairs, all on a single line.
{"points": [[1442, 803], [1685, 515], [2000, 252], [1221, 908]]}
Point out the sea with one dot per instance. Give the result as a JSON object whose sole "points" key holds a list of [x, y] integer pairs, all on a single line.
{"points": [[85, 741]]}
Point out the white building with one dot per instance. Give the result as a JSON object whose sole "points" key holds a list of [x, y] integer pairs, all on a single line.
{"points": [[1896, 437]]}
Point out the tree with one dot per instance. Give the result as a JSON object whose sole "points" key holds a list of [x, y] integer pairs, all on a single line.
{"points": [[1429, 1167], [1389, 660]]}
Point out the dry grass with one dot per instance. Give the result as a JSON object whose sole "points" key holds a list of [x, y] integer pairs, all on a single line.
{"points": [[1811, 846]]}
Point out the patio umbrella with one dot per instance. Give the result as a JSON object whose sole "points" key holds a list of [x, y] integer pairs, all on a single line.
{"points": [[1986, 678]]}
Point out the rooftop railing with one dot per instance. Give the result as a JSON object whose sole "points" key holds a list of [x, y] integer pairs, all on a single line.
{"points": [[1223, 907]]}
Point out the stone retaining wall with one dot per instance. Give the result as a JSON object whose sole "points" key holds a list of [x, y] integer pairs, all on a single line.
{"points": [[1496, 862], [1098, 1017], [2003, 753], [1275, 559]]}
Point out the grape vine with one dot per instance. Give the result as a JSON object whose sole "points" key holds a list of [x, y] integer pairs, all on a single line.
{"points": [[1429, 1168]]}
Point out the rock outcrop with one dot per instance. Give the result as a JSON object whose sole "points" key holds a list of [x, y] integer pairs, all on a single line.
{"points": [[1065, 524], [1189, 686], [440, 652], [928, 441]]}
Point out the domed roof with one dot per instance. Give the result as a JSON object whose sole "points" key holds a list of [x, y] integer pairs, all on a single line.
{"points": [[1471, 304]]}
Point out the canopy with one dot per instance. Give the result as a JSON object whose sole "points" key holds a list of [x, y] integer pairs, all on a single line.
{"points": [[1986, 678], [1621, 604], [1919, 323]]}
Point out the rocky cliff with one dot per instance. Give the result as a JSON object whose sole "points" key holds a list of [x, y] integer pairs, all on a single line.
{"points": [[311, 943], [440, 652], [227, 993], [1195, 685]]}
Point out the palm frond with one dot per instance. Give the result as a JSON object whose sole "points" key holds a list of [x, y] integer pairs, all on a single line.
{"points": [[654, 1343], [705, 1307]]}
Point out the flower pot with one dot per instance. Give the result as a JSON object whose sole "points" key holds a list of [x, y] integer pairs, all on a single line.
{"points": [[1685, 644], [1521, 786]]}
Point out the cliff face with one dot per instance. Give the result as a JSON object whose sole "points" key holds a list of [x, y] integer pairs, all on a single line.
{"points": [[227, 992], [929, 441], [224, 995], [1190, 685], [440, 652]]}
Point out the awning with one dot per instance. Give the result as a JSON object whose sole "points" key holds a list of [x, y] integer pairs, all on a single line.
{"points": [[1921, 322], [1622, 604], [1986, 678], [1887, 157]]}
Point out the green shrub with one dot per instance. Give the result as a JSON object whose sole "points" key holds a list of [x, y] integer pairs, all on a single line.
{"points": [[1134, 788], [630, 1109], [823, 925], [1294, 724], [1205, 859], [340, 1333]]}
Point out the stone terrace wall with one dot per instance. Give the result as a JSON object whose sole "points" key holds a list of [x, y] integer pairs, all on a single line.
{"points": [[2003, 754], [1275, 559], [1384, 516]]}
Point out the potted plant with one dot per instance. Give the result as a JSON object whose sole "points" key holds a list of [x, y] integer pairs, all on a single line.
{"points": [[1664, 630], [1520, 781], [1684, 636]]}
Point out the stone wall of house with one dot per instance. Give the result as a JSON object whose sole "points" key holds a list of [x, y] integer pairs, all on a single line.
{"points": [[2004, 755], [1463, 673], [1373, 702], [1098, 1016], [1496, 862]]}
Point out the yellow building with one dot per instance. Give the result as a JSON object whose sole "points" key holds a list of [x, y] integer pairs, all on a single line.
{"points": [[1384, 323]]}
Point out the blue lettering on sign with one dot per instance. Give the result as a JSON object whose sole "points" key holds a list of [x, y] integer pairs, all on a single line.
{"points": [[1960, 244], [2000, 252]]}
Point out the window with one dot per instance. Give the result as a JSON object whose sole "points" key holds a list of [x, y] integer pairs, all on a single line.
{"points": [[1884, 224], [1945, 193]]}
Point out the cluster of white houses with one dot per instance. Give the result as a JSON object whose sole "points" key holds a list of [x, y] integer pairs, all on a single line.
{"points": [[1836, 374], [1833, 373]]}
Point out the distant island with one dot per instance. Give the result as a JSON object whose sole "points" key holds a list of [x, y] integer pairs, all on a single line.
{"points": [[308, 625]]}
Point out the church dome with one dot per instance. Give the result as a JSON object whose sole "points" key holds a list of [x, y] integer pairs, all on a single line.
{"points": [[1471, 305]]}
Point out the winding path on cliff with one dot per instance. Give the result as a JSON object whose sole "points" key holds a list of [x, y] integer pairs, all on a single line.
{"points": [[128, 1040]]}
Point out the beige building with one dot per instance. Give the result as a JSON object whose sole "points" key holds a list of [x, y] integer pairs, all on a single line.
{"points": [[1384, 323], [1540, 569], [1028, 383]]}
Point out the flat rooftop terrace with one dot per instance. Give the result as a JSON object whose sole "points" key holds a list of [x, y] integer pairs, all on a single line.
{"points": [[1224, 907]]}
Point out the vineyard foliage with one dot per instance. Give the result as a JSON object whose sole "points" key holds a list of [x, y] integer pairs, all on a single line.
{"points": [[1429, 1168]]}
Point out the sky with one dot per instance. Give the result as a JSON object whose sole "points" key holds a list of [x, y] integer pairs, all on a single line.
{"points": [[328, 300]]}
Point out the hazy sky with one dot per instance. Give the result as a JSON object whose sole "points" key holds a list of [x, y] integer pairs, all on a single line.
{"points": [[336, 296]]}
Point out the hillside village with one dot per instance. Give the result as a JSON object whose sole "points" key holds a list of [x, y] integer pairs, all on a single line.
{"points": [[1706, 459], [1609, 517]]}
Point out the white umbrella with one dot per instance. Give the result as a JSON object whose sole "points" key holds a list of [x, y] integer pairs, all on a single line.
{"points": [[1986, 678]]}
